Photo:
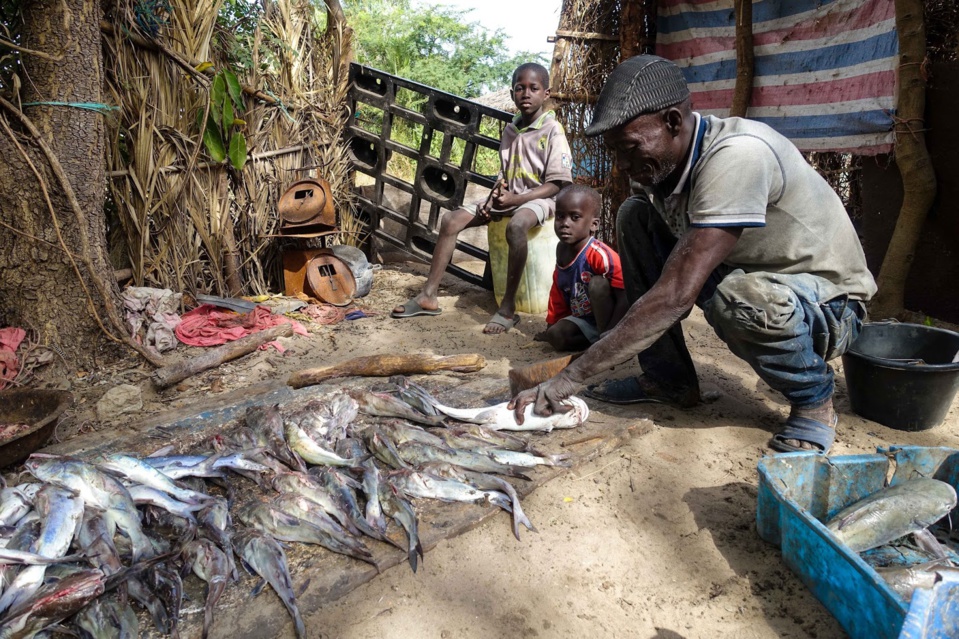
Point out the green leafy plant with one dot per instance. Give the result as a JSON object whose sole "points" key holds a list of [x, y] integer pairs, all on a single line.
{"points": [[222, 136]]}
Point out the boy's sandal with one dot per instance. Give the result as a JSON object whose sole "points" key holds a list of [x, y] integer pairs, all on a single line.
{"points": [[506, 322], [807, 430]]}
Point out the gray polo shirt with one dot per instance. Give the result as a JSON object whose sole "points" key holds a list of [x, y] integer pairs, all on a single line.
{"points": [[535, 155], [743, 173]]}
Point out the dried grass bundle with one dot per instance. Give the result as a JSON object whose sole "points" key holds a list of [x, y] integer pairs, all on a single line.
{"points": [[193, 225]]}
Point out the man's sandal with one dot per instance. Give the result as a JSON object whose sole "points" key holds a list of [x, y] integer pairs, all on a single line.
{"points": [[807, 430]]}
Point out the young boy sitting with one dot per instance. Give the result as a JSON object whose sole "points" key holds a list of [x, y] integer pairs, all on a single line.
{"points": [[587, 297], [535, 163]]}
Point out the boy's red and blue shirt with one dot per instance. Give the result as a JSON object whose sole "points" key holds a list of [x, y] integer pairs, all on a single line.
{"points": [[569, 294]]}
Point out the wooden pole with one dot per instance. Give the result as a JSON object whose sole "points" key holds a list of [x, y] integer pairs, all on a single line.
{"points": [[745, 61], [386, 365], [915, 165], [170, 375]]}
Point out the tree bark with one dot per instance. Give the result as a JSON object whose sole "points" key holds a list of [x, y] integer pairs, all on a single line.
{"points": [[915, 166], [745, 60], [39, 286]]}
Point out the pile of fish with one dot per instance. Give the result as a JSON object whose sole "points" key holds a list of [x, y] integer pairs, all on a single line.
{"points": [[891, 529], [83, 540]]}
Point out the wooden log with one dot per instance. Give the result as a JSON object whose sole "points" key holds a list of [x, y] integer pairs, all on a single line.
{"points": [[386, 365], [170, 375]]}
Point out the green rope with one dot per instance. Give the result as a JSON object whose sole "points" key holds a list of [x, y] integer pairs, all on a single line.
{"points": [[89, 106], [279, 102]]}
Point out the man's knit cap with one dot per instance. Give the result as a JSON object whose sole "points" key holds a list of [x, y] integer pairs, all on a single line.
{"points": [[642, 84]]}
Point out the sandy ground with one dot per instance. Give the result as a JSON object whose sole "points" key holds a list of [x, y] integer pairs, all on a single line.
{"points": [[655, 540]]}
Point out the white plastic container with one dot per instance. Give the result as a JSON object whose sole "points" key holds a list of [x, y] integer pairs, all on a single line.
{"points": [[532, 296]]}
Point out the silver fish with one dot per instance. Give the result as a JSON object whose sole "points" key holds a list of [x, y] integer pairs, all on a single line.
{"points": [[142, 473], [23, 540], [384, 405], [471, 435], [60, 512], [500, 417], [906, 579], [527, 460], [310, 450], [401, 511], [306, 486], [383, 448], [53, 603], [371, 482], [266, 423], [13, 506], [341, 489], [325, 420], [892, 512], [400, 433], [419, 454], [107, 618], [97, 489], [267, 559], [486, 482], [286, 527], [210, 564], [217, 526], [147, 495], [427, 486], [21, 557], [167, 585], [96, 540], [179, 466], [412, 394]]}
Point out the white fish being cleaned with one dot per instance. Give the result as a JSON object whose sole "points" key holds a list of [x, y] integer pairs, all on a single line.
{"points": [[500, 417]]}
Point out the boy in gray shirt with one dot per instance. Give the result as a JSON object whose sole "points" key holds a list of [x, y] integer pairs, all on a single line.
{"points": [[535, 163]]}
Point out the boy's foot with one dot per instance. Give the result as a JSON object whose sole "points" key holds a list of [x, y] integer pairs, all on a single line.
{"points": [[416, 306], [807, 429], [500, 324]]}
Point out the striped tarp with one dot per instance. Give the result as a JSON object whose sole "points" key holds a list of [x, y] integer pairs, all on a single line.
{"points": [[825, 70]]}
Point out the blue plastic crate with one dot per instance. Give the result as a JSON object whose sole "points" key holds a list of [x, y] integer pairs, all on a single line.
{"points": [[799, 491]]}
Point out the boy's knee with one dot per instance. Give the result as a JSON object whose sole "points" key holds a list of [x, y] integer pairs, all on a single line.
{"points": [[517, 232], [750, 302], [454, 221]]}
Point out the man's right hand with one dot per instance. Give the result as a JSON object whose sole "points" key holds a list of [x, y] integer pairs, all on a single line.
{"points": [[547, 398]]}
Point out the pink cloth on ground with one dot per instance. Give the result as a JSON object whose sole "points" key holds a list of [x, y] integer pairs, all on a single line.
{"points": [[208, 325], [10, 339]]}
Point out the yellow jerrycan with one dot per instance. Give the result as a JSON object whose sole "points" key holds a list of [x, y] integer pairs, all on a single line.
{"points": [[532, 296]]}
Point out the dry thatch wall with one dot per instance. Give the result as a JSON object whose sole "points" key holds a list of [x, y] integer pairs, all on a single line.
{"points": [[587, 49], [182, 221]]}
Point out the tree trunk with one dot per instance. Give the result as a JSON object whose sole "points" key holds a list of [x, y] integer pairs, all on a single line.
{"points": [[918, 177], [39, 287]]}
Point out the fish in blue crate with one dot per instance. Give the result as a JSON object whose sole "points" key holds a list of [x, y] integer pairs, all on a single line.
{"points": [[893, 512], [873, 525]]}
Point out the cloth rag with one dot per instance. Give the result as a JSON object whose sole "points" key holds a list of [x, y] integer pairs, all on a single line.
{"points": [[10, 339], [155, 308], [208, 325]]}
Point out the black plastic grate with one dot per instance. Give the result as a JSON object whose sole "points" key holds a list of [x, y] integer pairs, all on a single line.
{"points": [[440, 181]]}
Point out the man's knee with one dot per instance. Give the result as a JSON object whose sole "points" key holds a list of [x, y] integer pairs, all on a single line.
{"points": [[749, 302], [632, 217], [599, 288]]}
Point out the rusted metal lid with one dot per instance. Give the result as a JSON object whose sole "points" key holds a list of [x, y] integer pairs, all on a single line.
{"points": [[307, 202], [330, 280]]}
